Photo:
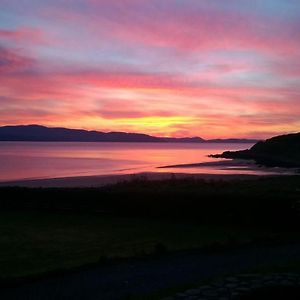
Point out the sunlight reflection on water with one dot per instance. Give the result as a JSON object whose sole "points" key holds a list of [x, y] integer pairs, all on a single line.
{"points": [[24, 160]]}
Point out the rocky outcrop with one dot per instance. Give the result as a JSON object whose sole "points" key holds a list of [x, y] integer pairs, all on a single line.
{"points": [[280, 151]]}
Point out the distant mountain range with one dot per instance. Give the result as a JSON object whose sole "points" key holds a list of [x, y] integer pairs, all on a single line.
{"points": [[278, 151], [40, 133]]}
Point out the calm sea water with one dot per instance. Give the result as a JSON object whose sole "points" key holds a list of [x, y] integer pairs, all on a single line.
{"points": [[25, 160]]}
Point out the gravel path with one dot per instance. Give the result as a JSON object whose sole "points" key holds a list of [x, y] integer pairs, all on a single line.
{"points": [[281, 286], [138, 277]]}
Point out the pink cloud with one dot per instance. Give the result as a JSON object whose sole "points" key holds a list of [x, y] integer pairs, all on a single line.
{"points": [[118, 109], [191, 31], [12, 61], [66, 85], [24, 34], [286, 68]]}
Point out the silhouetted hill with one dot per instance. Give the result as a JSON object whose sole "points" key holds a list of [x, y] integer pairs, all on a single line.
{"points": [[281, 151], [44, 134]]}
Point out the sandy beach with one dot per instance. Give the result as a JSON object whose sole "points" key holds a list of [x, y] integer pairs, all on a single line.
{"points": [[102, 180], [235, 166]]}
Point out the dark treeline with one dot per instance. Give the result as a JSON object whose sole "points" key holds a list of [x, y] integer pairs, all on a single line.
{"points": [[272, 202]]}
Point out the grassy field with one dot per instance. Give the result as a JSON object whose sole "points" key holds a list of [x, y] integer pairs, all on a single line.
{"points": [[44, 230], [38, 242]]}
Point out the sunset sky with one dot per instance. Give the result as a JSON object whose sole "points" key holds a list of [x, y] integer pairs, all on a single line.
{"points": [[211, 68]]}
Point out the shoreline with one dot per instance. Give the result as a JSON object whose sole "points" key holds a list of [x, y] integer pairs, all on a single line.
{"points": [[90, 181], [236, 164], [103, 180]]}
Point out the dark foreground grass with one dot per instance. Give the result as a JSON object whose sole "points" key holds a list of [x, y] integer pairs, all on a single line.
{"points": [[274, 293], [43, 230], [39, 242], [214, 201]]}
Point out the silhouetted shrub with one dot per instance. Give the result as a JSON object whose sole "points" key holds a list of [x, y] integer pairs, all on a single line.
{"points": [[159, 249]]}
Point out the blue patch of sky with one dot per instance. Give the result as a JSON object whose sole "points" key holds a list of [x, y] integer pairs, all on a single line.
{"points": [[262, 79], [287, 8], [9, 20], [275, 8]]}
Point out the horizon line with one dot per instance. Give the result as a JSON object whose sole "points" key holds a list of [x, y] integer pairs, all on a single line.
{"points": [[138, 133]]}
